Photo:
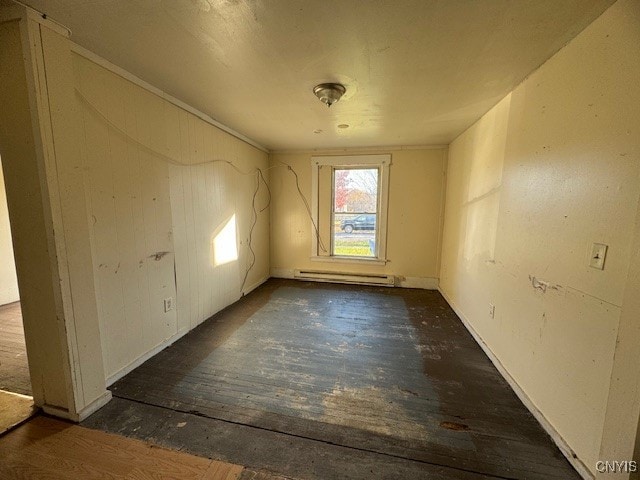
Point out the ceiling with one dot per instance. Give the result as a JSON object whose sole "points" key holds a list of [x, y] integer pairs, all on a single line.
{"points": [[417, 72]]}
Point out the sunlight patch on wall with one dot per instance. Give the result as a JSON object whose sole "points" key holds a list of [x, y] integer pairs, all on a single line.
{"points": [[224, 245]]}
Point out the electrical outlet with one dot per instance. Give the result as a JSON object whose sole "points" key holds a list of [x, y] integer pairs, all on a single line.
{"points": [[598, 254], [492, 310], [168, 304]]}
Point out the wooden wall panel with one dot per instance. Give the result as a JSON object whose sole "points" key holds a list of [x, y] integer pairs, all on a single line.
{"points": [[22, 163], [157, 200]]}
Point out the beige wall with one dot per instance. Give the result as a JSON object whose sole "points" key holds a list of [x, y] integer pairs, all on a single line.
{"points": [[551, 169], [619, 440], [157, 203], [416, 178], [8, 280], [36, 138], [22, 165], [117, 198]]}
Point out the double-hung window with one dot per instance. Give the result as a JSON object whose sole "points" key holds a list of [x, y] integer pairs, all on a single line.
{"points": [[350, 196]]}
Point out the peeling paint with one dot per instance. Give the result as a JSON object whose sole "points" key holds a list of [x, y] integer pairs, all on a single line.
{"points": [[543, 285]]}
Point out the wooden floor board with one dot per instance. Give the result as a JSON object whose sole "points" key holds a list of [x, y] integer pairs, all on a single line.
{"points": [[390, 371], [262, 450], [14, 369], [249, 405]]}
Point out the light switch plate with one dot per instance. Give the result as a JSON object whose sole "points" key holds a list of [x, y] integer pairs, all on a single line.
{"points": [[168, 304], [598, 255], [492, 310]]}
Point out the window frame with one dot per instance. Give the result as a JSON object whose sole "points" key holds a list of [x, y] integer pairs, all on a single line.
{"points": [[337, 162], [333, 212]]}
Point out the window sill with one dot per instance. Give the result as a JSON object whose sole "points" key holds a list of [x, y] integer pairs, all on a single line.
{"points": [[340, 259]]}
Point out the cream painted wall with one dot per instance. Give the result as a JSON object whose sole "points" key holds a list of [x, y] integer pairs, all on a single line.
{"points": [[416, 178], [61, 131], [157, 203], [36, 130], [554, 167], [27, 202], [8, 280], [620, 438]]}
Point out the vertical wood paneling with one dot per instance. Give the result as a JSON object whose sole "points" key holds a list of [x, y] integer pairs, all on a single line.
{"points": [[154, 219]]}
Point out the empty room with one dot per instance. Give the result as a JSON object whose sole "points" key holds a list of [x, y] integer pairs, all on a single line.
{"points": [[248, 239]]}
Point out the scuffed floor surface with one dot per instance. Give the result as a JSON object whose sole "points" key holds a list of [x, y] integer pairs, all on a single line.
{"points": [[46, 448], [318, 381], [14, 368]]}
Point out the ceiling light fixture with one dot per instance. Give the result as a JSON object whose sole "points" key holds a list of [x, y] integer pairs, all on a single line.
{"points": [[329, 93]]}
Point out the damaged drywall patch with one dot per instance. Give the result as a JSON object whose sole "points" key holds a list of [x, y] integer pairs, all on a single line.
{"points": [[158, 255], [543, 285]]}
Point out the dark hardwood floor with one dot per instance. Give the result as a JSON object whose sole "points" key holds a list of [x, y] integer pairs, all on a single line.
{"points": [[315, 381], [14, 369]]}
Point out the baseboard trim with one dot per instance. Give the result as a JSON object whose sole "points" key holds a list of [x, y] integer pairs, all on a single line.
{"points": [[282, 273], [251, 288], [94, 406], [79, 416], [562, 444], [114, 377], [424, 283], [56, 411]]}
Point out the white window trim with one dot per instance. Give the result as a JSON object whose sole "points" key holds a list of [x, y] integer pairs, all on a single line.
{"points": [[383, 162]]}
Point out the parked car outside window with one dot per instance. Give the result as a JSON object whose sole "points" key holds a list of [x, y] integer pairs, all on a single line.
{"points": [[361, 222]]}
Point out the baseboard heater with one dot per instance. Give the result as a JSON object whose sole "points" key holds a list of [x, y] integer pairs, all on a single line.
{"points": [[337, 277]]}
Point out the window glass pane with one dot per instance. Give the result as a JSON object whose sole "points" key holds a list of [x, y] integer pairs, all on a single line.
{"points": [[355, 194]]}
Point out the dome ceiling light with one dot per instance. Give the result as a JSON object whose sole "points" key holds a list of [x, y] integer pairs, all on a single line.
{"points": [[329, 93]]}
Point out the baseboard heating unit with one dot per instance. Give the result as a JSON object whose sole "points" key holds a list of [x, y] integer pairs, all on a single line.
{"points": [[338, 277]]}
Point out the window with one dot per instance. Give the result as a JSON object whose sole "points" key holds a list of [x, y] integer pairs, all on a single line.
{"points": [[350, 207], [354, 212]]}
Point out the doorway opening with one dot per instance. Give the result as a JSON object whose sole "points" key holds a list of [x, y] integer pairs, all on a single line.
{"points": [[16, 402]]}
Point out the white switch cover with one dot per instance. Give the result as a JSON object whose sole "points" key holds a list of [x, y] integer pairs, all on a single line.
{"points": [[598, 254], [492, 310], [168, 304]]}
